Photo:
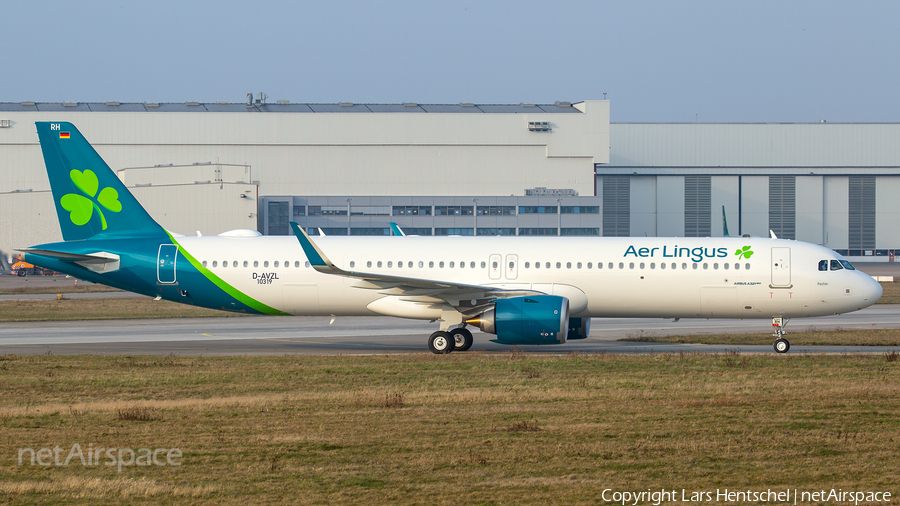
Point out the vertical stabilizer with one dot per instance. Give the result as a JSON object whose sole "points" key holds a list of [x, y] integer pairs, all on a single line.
{"points": [[90, 199]]}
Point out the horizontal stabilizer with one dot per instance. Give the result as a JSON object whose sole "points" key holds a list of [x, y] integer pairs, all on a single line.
{"points": [[100, 261]]}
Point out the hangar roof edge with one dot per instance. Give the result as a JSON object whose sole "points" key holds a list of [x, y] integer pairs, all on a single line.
{"points": [[344, 107]]}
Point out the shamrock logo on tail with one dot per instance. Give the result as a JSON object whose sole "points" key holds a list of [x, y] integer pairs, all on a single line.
{"points": [[81, 208], [744, 252]]}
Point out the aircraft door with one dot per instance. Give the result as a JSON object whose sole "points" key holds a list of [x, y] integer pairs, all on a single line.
{"points": [[494, 267], [165, 263], [512, 266], [781, 267]]}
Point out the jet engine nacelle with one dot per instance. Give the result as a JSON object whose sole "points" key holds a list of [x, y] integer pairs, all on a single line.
{"points": [[538, 319], [579, 328]]}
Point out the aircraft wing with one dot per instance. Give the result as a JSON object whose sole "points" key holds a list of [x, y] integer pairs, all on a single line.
{"points": [[466, 298]]}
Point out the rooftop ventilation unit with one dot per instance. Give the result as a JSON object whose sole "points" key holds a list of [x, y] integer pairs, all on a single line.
{"points": [[28, 104], [410, 104], [282, 101], [70, 104], [4, 123], [192, 104], [151, 104], [563, 104], [538, 126], [112, 104], [345, 104]]}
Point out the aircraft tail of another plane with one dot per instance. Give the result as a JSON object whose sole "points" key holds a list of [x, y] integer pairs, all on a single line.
{"points": [[91, 201]]}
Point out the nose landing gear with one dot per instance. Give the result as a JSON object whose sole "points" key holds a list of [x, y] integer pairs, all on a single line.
{"points": [[781, 344]]}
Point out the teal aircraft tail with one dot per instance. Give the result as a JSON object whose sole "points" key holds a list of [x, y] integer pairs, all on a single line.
{"points": [[90, 199]]}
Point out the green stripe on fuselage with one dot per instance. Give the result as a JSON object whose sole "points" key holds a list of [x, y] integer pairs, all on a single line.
{"points": [[224, 286]]}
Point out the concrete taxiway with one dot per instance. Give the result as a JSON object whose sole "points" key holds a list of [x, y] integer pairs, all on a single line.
{"points": [[368, 335]]}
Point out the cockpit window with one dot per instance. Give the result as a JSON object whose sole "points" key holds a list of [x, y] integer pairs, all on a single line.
{"points": [[847, 265], [836, 265], [823, 265]]}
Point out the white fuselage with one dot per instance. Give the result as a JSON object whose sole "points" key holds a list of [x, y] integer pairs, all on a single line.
{"points": [[601, 277]]}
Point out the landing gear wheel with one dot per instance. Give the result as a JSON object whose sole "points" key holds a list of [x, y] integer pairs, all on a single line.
{"points": [[782, 345], [440, 342], [462, 338]]}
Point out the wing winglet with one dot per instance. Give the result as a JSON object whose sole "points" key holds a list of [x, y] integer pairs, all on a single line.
{"points": [[317, 258]]}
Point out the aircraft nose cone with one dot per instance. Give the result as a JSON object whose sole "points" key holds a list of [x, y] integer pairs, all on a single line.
{"points": [[871, 291]]}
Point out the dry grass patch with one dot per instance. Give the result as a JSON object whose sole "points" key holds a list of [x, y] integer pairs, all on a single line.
{"points": [[449, 429], [890, 294], [837, 337], [100, 309]]}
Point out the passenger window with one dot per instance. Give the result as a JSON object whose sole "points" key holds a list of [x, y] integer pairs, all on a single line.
{"points": [[390, 264], [297, 263], [379, 264], [266, 263], [483, 264], [836, 265], [611, 265], [622, 265], [674, 266], [234, 263], [215, 263], [431, 264], [246, 263], [275, 265], [494, 265], [512, 264], [705, 266], [462, 265], [662, 265], [559, 265], [683, 265], [631, 265], [642, 265], [527, 265], [369, 263], [451, 265], [306, 264], [737, 266], [547, 265], [255, 263], [471, 265], [399, 264], [568, 265], [823, 265], [695, 266], [725, 266], [441, 265], [578, 265], [352, 264], [747, 266], [537, 265], [224, 263], [591, 266], [421, 264], [409, 264], [204, 263], [653, 265]]}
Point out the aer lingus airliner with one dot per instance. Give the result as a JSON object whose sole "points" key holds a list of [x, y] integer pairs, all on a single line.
{"points": [[526, 290]]}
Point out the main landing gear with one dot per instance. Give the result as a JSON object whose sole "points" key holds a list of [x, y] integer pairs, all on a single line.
{"points": [[459, 339], [781, 344]]}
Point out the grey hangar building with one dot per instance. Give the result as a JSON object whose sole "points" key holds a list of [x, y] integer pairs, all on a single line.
{"points": [[467, 169]]}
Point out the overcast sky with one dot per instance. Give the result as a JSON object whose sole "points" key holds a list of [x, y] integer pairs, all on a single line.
{"points": [[674, 61]]}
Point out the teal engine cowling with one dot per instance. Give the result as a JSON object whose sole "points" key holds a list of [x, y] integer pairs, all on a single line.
{"points": [[538, 319]]}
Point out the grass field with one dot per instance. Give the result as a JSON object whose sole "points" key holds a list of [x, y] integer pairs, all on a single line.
{"points": [[64, 288], [891, 293], [867, 337], [100, 309], [458, 429]]}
